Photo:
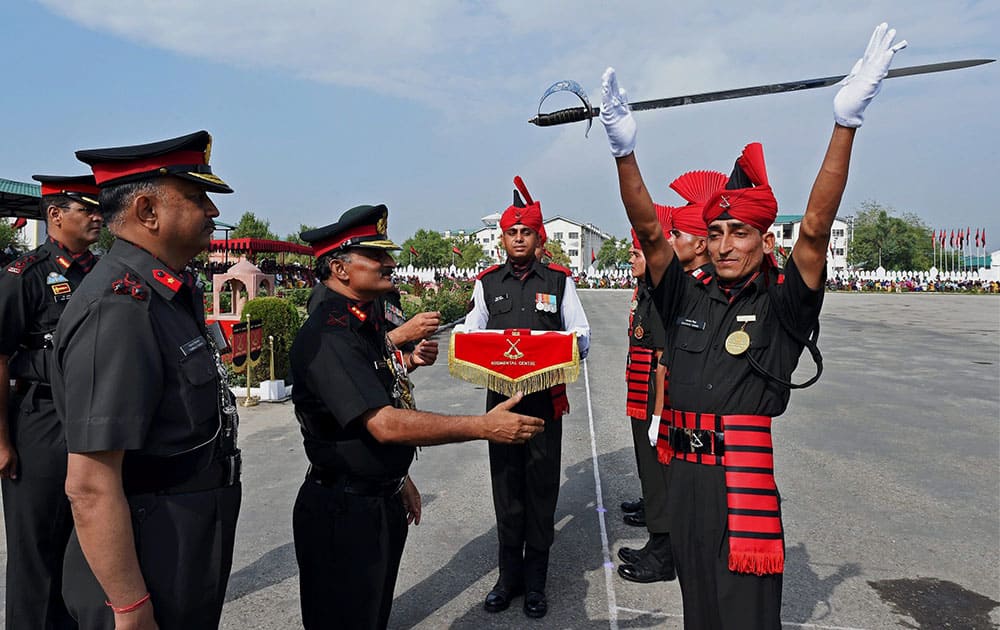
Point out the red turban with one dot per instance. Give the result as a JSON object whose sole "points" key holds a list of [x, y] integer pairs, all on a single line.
{"points": [[542, 236], [754, 205], [696, 187], [663, 215], [529, 215]]}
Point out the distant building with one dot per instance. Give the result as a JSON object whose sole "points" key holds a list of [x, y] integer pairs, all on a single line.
{"points": [[21, 199], [580, 241], [786, 232]]}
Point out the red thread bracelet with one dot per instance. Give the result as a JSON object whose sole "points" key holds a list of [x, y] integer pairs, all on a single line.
{"points": [[130, 608]]}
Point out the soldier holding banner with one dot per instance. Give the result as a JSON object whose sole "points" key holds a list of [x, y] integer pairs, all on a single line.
{"points": [[359, 428], [526, 294]]}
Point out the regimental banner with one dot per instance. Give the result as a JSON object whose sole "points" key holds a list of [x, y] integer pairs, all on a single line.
{"points": [[240, 346], [256, 339], [510, 361]]}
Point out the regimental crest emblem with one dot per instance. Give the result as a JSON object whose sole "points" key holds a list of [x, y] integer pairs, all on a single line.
{"points": [[513, 353]]}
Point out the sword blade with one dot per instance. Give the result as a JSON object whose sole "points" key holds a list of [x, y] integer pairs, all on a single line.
{"points": [[575, 114]]}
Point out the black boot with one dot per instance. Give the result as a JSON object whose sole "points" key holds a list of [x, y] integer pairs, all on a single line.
{"points": [[536, 570], [632, 506], [657, 565], [637, 518], [629, 555], [511, 581]]}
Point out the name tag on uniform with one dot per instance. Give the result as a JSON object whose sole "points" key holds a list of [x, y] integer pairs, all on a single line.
{"points": [[193, 345], [500, 298], [690, 323]]}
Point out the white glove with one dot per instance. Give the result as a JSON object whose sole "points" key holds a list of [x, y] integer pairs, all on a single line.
{"points": [[616, 115], [654, 429], [865, 79]]}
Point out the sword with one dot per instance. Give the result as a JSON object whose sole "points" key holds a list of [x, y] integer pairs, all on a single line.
{"points": [[576, 114]]}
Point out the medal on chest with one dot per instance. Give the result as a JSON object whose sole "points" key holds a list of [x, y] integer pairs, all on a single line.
{"points": [[394, 314], [545, 302], [738, 341], [638, 332]]}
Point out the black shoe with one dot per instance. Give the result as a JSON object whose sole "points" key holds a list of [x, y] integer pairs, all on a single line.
{"points": [[632, 506], [644, 574], [636, 519], [629, 555], [535, 604], [499, 598]]}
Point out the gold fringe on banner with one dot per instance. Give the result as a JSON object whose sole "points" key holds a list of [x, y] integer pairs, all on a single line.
{"points": [[541, 379]]}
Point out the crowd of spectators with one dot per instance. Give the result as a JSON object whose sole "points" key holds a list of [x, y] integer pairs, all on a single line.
{"points": [[912, 284]]}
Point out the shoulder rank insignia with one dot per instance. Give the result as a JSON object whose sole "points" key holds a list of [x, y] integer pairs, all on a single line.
{"points": [[63, 261], [21, 264], [128, 285], [358, 312], [336, 319], [168, 279]]}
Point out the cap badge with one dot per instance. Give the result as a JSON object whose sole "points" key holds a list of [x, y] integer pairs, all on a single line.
{"points": [[724, 203], [381, 226]]}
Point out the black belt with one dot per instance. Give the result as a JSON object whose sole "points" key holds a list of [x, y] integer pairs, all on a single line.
{"points": [[37, 341], [221, 473], [699, 441], [42, 390], [355, 485]]}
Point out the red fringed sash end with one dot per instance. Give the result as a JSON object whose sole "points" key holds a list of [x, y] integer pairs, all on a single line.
{"points": [[560, 402], [758, 561]]}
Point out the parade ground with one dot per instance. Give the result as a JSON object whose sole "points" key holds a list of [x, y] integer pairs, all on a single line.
{"points": [[889, 472]]}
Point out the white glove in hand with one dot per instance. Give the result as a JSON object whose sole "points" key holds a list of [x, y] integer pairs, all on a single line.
{"points": [[616, 115], [654, 429], [865, 79]]}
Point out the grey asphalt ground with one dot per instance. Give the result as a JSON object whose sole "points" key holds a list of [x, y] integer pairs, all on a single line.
{"points": [[889, 470]]}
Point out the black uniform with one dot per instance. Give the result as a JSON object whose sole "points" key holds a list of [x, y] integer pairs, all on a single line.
{"points": [[525, 477], [137, 371], [646, 336], [705, 378], [349, 521], [34, 290]]}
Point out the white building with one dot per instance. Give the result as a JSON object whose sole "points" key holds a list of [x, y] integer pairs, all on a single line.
{"points": [[21, 199], [786, 232], [580, 241]]}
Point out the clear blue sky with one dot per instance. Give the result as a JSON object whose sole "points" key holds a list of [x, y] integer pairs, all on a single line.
{"points": [[319, 106]]}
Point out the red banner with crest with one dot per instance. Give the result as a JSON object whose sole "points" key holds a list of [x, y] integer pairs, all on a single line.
{"points": [[510, 361]]}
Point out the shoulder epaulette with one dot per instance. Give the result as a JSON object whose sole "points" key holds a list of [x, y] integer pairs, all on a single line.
{"points": [[25, 262], [131, 286], [560, 268], [700, 275], [489, 269]]}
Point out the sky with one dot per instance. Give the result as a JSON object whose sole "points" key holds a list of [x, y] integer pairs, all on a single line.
{"points": [[318, 106]]}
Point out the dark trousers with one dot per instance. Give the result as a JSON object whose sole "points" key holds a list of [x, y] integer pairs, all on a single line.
{"points": [[525, 479], [715, 598], [348, 549], [184, 543], [652, 476], [37, 517]]}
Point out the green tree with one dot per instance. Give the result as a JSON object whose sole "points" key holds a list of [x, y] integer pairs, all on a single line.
{"points": [[613, 254], [558, 254], [432, 250], [104, 241], [249, 226], [294, 236], [9, 237], [898, 243], [472, 256]]}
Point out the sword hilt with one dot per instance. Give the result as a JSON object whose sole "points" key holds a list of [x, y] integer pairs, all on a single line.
{"points": [[564, 116]]}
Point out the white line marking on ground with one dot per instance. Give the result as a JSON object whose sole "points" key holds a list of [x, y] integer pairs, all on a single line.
{"points": [[608, 565]]}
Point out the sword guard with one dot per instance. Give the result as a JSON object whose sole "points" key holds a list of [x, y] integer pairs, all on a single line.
{"points": [[572, 114]]}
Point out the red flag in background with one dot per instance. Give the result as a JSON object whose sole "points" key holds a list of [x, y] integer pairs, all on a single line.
{"points": [[942, 239], [592, 257], [951, 240], [456, 250], [20, 223], [968, 235], [933, 237], [413, 251], [977, 237]]}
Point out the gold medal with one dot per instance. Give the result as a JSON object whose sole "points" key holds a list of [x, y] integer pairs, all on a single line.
{"points": [[638, 332], [737, 342]]}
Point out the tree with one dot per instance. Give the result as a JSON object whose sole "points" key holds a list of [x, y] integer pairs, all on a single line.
{"points": [[10, 238], [249, 226], [613, 254], [558, 256], [105, 240], [472, 256], [295, 236], [432, 250], [900, 243]]}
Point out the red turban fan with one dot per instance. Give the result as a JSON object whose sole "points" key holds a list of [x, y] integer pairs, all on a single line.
{"points": [[756, 205], [663, 215], [696, 187]]}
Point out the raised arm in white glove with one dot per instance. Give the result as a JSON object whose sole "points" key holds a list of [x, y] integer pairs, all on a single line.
{"points": [[616, 115], [865, 79]]}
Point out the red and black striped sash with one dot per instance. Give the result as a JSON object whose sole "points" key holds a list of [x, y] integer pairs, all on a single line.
{"points": [[641, 363], [755, 533]]}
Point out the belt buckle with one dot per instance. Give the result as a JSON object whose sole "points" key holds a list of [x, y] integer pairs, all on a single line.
{"points": [[693, 440]]}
